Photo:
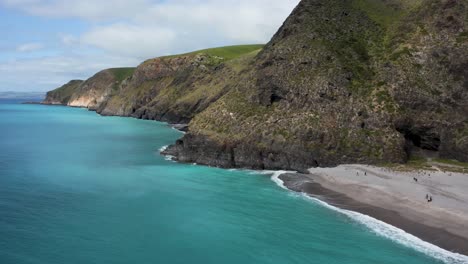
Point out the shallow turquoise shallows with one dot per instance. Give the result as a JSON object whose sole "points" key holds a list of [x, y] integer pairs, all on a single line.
{"points": [[79, 188]]}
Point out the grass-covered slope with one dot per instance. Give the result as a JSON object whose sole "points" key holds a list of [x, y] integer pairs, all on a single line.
{"points": [[224, 53], [171, 88], [62, 95], [175, 88], [343, 82], [121, 74]]}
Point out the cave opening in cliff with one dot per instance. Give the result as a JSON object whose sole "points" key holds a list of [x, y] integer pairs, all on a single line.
{"points": [[274, 98], [420, 141]]}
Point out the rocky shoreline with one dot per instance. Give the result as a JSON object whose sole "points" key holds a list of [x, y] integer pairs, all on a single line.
{"points": [[246, 155]]}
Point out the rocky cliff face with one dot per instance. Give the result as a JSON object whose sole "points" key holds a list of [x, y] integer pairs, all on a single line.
{"points": [[355, 81], [62, 95], [363, 81], [92, 92], [171, 89], [96, 90], [174, 89]]}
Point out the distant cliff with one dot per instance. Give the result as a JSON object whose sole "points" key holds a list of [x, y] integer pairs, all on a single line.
{"points": [[92, 92], [62, 95], [172, 88], [98, 89], [359, 81]]}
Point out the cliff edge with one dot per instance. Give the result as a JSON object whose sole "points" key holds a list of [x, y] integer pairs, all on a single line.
{"points": [[362, 81]]}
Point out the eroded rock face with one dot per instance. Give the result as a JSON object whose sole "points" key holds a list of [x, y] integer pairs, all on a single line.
{"points": [[62, 95], [174, 89], [363, 81], [94, 91], [171, 89], [340, 84], [91, 93]]}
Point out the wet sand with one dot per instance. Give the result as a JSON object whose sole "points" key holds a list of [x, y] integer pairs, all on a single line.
{"points": [[396, 198]]}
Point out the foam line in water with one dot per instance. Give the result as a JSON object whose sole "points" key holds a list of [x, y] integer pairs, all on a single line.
{"points": [[180, 131], [397, 235], [163, 148], [166, 157], [385, 230], [275, 176]]}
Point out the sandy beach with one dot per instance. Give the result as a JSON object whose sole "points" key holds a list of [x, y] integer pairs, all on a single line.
{"points": [[397, 198]]}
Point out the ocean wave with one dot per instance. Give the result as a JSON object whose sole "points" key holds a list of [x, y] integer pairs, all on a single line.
{"points": [[383, 229], [276, 178]]}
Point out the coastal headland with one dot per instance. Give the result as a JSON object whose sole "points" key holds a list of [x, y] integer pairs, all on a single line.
{"points": [[341, 82]]}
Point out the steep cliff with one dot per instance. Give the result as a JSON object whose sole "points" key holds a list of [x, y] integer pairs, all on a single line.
{"points": [[62, 95], [92, 92], [97, 89], [364, 81], [172, 88], [175, 88], [342, 81]]}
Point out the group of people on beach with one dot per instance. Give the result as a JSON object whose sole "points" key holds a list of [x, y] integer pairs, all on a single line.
{"points": [[428, 197]]}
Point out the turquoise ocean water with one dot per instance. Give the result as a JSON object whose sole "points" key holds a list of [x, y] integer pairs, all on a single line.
{"points": [[79, 188]]}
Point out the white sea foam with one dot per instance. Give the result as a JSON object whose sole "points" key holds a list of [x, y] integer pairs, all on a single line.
{"points": [[169, 158], [385, 230], [276, 178], [166, 157], [180, 131], [163, 148]]}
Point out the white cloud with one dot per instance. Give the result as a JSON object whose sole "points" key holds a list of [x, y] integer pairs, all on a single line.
{"points": [[85, 9], [29, 47], [68, 39], [126, 32], [181, 24], [241, 20], [184, 25], [130, 40], [46, 73]]}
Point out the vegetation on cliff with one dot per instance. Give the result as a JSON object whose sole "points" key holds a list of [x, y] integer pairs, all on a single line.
{"points": [[62, 95], [344, 82], [175, 88], [360, 81], [171, 88]]}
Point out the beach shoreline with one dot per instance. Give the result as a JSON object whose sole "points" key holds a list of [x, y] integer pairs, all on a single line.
{"points": [[374, 192]]}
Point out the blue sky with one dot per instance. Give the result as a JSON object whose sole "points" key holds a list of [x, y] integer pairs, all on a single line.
{"points": [[46, 43]]}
